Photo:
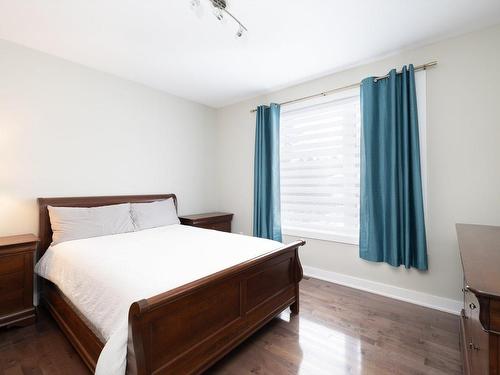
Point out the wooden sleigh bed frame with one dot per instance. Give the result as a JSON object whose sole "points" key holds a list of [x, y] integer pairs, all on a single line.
{"points": [[187, 329]]}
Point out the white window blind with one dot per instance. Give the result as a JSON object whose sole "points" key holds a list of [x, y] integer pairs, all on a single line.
{"points": [[319, 147]]}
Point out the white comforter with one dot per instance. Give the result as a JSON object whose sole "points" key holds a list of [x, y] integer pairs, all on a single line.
{"points": [[103, 276]]}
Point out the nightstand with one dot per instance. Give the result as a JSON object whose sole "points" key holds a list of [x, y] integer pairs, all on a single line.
{"points": [[211, 220], [17, 255]]}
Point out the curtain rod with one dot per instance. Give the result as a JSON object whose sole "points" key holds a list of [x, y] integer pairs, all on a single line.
{"points": [[351, 86]]}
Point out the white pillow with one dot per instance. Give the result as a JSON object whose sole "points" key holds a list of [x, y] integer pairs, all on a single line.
{"points": [[73, 223], [154, 214]]}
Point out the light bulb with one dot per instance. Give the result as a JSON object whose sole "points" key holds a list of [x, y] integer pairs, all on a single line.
{"points": [[219, 14], [240, 32]]}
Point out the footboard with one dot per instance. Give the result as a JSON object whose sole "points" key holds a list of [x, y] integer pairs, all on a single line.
{"points": [[186, 330]]}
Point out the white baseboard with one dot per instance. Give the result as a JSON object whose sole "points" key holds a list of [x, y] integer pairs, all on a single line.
{"points": [[423, 299]]}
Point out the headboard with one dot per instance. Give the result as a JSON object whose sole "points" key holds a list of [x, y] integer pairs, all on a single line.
{"points": [[45, 230]]}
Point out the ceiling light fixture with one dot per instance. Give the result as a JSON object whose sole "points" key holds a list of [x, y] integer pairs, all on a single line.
{"points": [[220, 8]]}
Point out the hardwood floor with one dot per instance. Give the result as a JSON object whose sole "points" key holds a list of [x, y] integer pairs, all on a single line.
{"points": [[339, 331]]}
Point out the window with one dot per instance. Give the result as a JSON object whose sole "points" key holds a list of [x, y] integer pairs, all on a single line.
{"points": [[320, 148]]}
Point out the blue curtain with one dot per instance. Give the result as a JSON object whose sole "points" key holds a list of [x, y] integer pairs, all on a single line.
{"points": [[392, 227], [266, 211]]}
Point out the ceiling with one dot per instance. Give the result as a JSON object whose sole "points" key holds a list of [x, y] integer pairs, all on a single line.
{"points": [[166, 45]]}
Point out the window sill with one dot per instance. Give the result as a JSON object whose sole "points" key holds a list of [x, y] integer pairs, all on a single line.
{"points": [[324, 236]]}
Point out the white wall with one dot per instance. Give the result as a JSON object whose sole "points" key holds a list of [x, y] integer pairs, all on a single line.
{"points": [[66, 130], [463, 160]]}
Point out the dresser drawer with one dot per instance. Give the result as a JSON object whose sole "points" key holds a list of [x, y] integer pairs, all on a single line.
{"points": [[11, 264], [479, 349], [477, 338], [480, 257], [495, 315]]}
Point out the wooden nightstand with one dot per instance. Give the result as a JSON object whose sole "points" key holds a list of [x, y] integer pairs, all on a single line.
{"points": [[16, 280], [211, 220]]}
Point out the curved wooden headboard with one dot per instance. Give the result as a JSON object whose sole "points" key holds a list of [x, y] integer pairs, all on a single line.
{"points": [[45, 230]]}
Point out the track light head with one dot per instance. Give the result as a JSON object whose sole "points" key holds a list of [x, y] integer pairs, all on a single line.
{"points": [[221, 4]]}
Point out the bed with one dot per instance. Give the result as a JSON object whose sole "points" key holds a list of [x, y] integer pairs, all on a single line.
{"points": [[167, 334]]}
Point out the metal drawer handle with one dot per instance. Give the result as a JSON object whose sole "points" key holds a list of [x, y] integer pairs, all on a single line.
{"points": [[472, 306], [463, 314], [472, 346]]}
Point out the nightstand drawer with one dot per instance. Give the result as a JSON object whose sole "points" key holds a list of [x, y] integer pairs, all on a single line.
{"points": [[223, 227], [220, 221], [12, 301], [16, 280], [10, 283], [11, 264]]}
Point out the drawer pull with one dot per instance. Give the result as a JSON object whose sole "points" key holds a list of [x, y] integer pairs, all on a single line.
{"points": [[472, 306], [463, 315], [472, 346]]}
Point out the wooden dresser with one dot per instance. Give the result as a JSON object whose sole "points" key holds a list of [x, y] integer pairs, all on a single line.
{"points": [[480, 320], [211, 220], [16, 279]]}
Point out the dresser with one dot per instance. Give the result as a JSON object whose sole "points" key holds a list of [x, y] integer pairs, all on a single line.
{"points": [[211, 220], [16, 279], [480, 319]]}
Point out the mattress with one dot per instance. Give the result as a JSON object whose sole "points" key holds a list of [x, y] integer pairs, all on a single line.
{"points": [[103, 276]]}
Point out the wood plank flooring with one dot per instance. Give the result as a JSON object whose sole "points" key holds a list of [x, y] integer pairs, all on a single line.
{"points": [[338, 331]]}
